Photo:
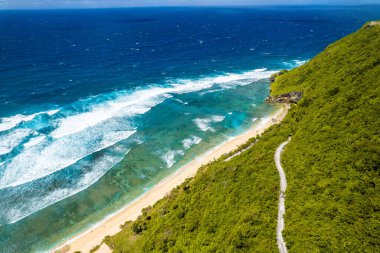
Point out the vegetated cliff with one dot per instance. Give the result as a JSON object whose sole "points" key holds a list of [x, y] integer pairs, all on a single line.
{"points": [[273, 77], [331, 163]]}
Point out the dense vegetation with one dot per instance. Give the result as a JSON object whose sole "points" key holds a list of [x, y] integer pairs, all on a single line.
{"points": [[227, 206], [331, 163]]}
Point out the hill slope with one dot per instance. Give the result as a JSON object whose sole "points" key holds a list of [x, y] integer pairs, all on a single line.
{"points": [[332, 162]]}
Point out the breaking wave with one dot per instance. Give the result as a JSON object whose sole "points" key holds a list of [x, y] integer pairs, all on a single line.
{"points": [[85, 138]]}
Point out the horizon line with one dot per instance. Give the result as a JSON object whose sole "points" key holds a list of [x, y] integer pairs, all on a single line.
{"points": [[188, 6]]}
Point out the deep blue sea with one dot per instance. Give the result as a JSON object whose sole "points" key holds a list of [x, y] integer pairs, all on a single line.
{"points": [[97, 106]]}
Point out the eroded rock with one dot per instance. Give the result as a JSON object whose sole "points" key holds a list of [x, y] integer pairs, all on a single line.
{"points": [[287, 98]]}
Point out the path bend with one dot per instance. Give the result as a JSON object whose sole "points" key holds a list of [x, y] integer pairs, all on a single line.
{"points": [[281, 201]]}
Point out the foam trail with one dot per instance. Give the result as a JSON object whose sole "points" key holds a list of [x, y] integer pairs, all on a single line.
{"points": [[300, 62], [71, 138], [141, 101], [11, 140], [129, 105], [294, 63], [181, 102], [33, 164], [217, 118], [215, 90], [19, 209], [205, 124], [34, 141], [169, 156], [193, 140], [11, 122]]}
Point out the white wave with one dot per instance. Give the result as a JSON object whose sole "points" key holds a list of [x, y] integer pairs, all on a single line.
{"points": [[34, 141], [43, 160], [114, 137], [141, 101], [207, 82], [138, 103], [25, 207], [11, 140], [205, 124], [88, 128], [217, 118], [260, 70], [169, 156], [11, 122], [193, 140], [254, 119], [216, 90], [294, 63], [181, 102], [91, 127], [300, 62], [51, 112], [139, 141]]}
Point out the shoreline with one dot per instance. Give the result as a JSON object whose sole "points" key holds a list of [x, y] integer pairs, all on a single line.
{"points": [[110, 225]]}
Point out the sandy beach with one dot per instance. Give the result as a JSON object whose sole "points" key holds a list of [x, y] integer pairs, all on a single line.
{"points": [[111, 225]]}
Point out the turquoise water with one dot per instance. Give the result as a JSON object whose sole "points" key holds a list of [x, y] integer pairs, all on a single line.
{"points": [[167, 136], [96, 106]]}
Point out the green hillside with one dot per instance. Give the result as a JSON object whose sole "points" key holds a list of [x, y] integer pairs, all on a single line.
{"points": [[331, 163]]}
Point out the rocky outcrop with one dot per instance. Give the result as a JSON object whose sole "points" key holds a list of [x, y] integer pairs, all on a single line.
{"points": [[372, 24], [287, 98]]}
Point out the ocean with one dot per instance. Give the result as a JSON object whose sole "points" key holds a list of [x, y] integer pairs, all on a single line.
{"points": [[97, 106]]}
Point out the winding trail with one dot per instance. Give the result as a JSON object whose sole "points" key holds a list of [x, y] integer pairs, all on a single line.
{"points": [[281, 201]]}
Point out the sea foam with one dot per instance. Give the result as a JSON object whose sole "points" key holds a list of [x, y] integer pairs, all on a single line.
{"points": [[11, 122], [294, 63], [35, 163], [204, 124], [34, 141], [84, 128], [21, 204], [169, 157], [142, 100], [193, 140], [11, 140]]}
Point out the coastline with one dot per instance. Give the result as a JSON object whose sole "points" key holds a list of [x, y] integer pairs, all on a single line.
{"points": [[110, 225]]}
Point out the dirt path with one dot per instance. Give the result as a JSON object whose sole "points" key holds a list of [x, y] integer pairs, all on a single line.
{"points": [[281, 201]]}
